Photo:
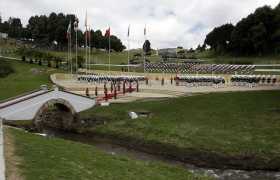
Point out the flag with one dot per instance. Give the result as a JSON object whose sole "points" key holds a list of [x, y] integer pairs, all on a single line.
{"points": [[108, 32], [68, 31], [87, 34], [128, 31], [86, 20], [76, 24], [145, 31]]}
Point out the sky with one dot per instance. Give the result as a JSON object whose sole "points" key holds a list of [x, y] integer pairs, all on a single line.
{"points": [[169, 23]]}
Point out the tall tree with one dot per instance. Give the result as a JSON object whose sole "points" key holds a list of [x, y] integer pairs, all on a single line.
{"points": [[147, 47], [219, 38], [15, 27]]}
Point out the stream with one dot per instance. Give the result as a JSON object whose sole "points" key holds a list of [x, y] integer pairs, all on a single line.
{"points": [[114, 149]]}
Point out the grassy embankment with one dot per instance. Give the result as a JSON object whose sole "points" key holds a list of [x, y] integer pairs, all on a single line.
{"points": [[51, 158], [27, 77], [241, 126]]}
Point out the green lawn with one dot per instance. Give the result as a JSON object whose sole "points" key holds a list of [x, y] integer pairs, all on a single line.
{"points": [[231, 124], [51, 158], [211, 57], [247, 60], [24, 79]]}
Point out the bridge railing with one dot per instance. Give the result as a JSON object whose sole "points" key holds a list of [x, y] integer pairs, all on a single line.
{"points": [[20, 98], [2, 158]]}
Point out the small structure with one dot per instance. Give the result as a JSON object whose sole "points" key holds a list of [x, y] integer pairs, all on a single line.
{"points": [[3, 35]]}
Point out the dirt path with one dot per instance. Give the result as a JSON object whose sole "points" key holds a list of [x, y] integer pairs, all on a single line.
{"points": [[12, 161]]}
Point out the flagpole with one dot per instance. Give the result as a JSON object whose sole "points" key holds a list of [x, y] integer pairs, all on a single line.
{"points": [[76, 48], [68, 64], [71, 51], [144, 54], [86, 49], [89, 58], [76, 52], [128, 35], [109, 50], [86, 43]]}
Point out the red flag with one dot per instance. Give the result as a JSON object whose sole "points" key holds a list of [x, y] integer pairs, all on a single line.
{"points": [[87, 34], [108, 32]]}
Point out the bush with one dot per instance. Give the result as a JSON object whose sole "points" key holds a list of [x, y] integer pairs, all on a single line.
{"points": [[23, 58], [5, 69], [241, 62]]}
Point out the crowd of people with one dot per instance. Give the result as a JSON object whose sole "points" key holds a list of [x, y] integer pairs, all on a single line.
{"points": [[99, 78], [192, 68], [201, 80], [238, 80]]}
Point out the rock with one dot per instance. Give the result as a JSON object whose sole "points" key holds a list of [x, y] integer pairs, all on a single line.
{"points": [[133, 115]]}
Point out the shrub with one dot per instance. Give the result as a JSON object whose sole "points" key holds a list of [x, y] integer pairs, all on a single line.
{"points": [[5, 69]]}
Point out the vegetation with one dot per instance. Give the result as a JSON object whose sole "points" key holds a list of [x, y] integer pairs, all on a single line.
{"points": [[5, 69], [212, 57], [51, 158], [50, 31], [257, 34], [238, 125], [26, 77], [97, 57], [147, 47]]}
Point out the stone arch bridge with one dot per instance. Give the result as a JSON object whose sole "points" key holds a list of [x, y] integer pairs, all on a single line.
{"points": [[32, 106]]}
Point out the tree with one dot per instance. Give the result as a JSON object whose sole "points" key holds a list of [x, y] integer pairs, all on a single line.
{"points": [[4, 28], [258, 33], [147, 47], [45, 30], [253, 34], [81, 61], [116, 44], [15, 27], [259, 38], [219, 38]]}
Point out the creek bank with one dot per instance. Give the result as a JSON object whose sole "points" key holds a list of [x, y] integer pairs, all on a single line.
{"points": [[111, 147], [197, 157]]}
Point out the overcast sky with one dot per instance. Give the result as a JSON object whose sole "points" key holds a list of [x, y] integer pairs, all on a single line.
{"points": [[170, 23]]}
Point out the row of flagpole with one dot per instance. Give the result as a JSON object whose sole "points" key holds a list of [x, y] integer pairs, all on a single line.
{"points": [[88, 46]]}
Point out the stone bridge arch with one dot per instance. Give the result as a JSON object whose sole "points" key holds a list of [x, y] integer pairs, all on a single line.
{"points": [[56, 113]]}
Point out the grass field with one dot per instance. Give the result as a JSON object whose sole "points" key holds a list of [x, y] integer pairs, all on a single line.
{"points": [[51, 158], [24, 79], [211, 57], [245, 124]]}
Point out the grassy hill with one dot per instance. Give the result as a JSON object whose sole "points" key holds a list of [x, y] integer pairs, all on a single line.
{"points": [[27, 77]]}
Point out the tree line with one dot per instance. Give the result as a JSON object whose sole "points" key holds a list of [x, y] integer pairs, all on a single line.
{"points": [[257, 34], [50, 31]]}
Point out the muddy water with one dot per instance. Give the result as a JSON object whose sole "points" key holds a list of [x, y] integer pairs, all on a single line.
{"points": [[114, 149]]}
